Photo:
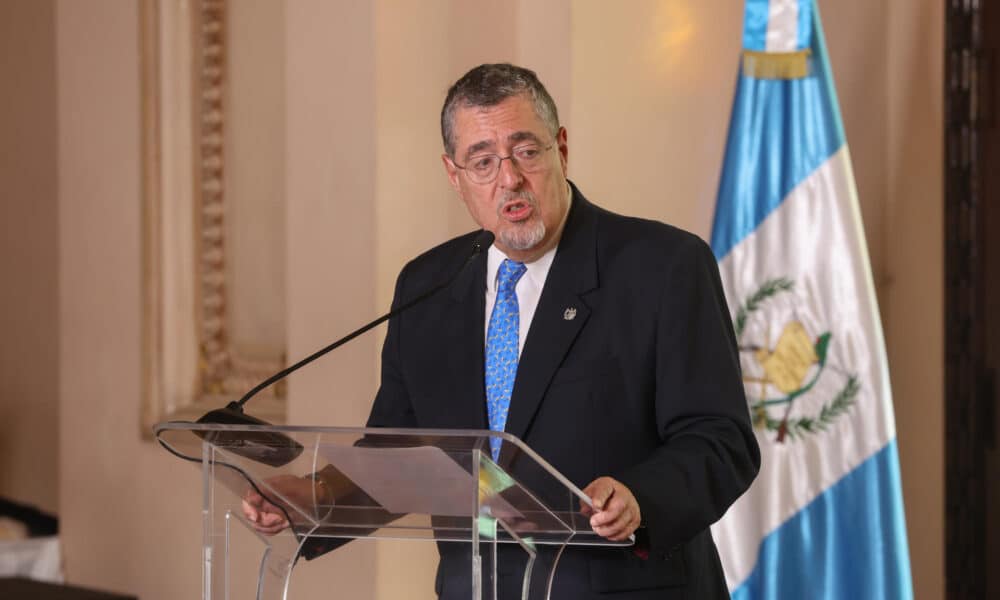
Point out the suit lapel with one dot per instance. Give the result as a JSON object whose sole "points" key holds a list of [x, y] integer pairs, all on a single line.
{"points": [[467, 401], [560, 316]]}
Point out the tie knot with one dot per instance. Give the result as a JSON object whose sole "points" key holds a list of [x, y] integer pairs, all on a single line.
{"points": [[509, 273]]}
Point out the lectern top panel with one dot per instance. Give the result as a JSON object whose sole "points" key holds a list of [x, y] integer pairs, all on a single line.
{"points": [[391, 483]]}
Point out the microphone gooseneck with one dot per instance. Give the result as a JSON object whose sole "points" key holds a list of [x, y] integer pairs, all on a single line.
{"points": [[481, 243]]}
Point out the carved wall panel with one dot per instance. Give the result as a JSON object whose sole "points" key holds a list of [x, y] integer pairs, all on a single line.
{"points": [[190, 361]]}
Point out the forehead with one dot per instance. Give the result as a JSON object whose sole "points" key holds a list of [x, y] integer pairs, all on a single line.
{"points": [[487, 127]]}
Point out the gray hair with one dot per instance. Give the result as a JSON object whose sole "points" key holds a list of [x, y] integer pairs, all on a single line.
{"points": [[489, 85]]}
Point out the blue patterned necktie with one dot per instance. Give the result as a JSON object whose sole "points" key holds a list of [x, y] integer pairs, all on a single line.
{"points": [[501, 348]]}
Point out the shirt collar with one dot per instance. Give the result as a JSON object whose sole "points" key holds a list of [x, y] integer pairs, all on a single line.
{"points": [[535, 271]]}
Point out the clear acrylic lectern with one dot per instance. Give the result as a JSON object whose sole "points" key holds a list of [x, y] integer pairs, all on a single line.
{"points": [[434, 485]]}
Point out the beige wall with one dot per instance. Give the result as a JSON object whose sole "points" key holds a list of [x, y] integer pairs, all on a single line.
{"points": [[330, 188], [364, 191], [673, 65], [913, 302], [29, 217], [120, 529]]}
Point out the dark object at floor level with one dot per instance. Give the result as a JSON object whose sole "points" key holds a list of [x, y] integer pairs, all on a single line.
{"points": [[37, 522], [19, 588]]}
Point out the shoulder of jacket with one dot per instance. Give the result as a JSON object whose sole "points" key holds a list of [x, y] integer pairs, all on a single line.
{"points": [[652, 239], [433, 264]]}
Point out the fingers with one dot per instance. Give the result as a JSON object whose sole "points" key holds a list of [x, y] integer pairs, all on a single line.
{"points": [[616, 512], [262, 515], [617, 521], [270, 523], [289, 492], [250, 510]]}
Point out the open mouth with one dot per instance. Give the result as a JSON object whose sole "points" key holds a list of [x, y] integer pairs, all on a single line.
{"points": [[516, 210]]}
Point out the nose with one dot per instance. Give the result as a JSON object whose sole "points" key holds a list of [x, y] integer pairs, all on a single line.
{"points": [[510, 175]]}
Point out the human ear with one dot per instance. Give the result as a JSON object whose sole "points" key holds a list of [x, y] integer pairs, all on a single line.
{"points": [[452, 171]]}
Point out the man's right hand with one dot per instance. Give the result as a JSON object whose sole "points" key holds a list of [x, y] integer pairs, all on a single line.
{"points": [[269, 518]]}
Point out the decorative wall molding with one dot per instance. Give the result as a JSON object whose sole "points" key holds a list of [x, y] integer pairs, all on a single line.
{"points": [[189, 364]]}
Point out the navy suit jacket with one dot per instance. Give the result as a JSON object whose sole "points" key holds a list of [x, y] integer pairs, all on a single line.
{"points": [[642, 385]]}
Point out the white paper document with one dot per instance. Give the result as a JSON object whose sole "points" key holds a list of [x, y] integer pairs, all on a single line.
{"points": [[422, 479]]}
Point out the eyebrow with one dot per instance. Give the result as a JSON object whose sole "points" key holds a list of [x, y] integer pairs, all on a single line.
{"points": [[517, 136], [521, 136], [483, 145]]}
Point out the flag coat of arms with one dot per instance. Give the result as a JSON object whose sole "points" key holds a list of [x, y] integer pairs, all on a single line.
{"points": [[824, 519]]}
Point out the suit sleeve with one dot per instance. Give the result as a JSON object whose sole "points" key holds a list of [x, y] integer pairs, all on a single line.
{"points": [[708, 455]]}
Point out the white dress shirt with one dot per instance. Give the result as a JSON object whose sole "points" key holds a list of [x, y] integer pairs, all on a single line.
{"points": [[528, 289]]}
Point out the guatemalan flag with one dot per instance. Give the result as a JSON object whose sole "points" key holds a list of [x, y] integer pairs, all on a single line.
{"points": [[824, 519]]}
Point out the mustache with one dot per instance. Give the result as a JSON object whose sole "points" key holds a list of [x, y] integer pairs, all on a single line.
{"points": [[524, 195]]}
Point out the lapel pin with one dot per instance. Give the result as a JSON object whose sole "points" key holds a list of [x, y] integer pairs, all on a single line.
{"points": [[570, 314]]}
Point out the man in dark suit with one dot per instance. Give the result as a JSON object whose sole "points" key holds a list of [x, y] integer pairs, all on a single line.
{"points": [[628, 378], [608, 349]]}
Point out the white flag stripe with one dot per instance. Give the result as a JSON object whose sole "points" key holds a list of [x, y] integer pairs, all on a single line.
{"points": [[782, 26], [815, 239]]}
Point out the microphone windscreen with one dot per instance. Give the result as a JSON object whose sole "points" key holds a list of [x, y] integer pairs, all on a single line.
{"points": [[269, 447], [484, 240]]}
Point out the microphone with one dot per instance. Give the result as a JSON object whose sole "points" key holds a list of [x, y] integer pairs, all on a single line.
{"points": [[277, 449]]}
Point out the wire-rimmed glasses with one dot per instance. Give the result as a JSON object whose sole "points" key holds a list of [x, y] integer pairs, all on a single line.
{"points": [[483, 168]]}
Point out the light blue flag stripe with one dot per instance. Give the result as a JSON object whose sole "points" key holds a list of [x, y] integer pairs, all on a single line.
{"points": [[779, 133], [850, 542], [805, 24], [755, 25]]}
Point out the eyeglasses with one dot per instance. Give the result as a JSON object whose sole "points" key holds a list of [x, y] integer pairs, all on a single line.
{"points": [[483, 168]]}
